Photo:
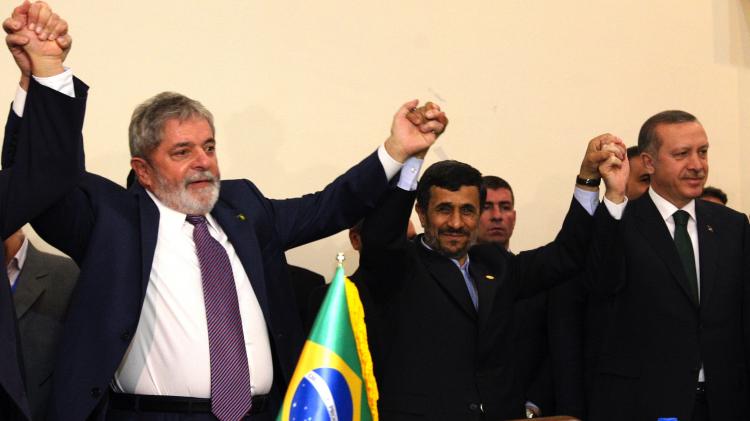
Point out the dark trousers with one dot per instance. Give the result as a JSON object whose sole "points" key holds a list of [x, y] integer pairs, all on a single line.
{"points": [[700, 408]]}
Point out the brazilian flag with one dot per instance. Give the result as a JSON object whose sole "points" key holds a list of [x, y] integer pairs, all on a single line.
{"points": [[333, 380]]}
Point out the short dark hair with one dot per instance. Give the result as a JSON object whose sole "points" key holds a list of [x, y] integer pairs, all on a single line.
{"points": [[633, 151], [493, 182], [450, 175], [716, 192], [647, 138]]}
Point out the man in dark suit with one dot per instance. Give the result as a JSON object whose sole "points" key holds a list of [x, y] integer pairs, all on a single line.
{"points": [[146, 317], [304, 283], [26, 188], [445, 310], [42, 284], [677, 271], [577, 322], [532, 363]]}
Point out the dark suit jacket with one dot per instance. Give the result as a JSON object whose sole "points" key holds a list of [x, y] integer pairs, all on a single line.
{"points": [[43, 290], [577, 323], [304, 283], [532, 356], [438, 358], [27, 186], [658, 336], [111, 233]]}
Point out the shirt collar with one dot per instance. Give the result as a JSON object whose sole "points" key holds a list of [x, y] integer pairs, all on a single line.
{"points": [[667, 208], [174, 220], [20, 258]]}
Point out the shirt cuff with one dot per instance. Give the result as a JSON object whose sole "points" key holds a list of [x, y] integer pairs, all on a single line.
{"points": [[409, 174], [390, 165], [588, 199], [20, 102], [62, 83], [615, 210]]}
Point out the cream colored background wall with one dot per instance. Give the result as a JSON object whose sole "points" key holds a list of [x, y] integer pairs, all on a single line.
{"points": [[302, 90]]}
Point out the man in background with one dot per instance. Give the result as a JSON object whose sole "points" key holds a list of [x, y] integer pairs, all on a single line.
{"points": [[714, 194], [42, 284]]}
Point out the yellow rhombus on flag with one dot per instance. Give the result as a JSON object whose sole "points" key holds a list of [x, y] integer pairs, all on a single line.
{"points": [[333, 380]]}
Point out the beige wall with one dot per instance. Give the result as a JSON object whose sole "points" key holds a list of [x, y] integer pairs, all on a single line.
{"points": [[301, 90]]}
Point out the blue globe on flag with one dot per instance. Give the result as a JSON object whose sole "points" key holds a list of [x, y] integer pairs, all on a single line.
{"points": [[322, 395]]}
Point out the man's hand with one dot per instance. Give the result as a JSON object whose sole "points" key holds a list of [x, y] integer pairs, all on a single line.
{"points": [[48, 41], [596, 154], [414, 130], [615, 172]]}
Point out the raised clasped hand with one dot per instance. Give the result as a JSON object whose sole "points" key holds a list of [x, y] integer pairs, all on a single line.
{"points": [[415, 130]]}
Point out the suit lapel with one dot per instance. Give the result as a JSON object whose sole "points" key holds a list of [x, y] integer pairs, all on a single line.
{"points": [[448, 276], [149, 219], [708, 249], [652, 226], [242, 235], [487, 285], [30, 284]]}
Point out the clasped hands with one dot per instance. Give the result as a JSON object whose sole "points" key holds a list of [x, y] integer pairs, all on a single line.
{"points": [[38, 40]]}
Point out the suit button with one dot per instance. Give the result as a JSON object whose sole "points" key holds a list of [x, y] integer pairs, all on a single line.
{"points": [[96, 392], [279, 336], [126, 336]]}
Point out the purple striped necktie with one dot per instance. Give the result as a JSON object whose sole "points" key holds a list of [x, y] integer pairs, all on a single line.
{"points": [[230, 376]]}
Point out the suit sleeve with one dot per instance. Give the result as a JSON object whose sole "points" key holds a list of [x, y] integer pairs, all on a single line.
{"points": [[385, 255], [42, 154], [606, 261], [566, 321], [533, 271], [338, 206], [746, 298]]}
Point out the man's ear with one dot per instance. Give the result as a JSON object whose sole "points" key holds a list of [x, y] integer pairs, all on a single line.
{"points": [[648, 162], [143, 171]]}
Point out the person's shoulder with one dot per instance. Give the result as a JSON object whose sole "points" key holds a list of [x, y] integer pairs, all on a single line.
{"points": [[721, 212], [238, 186], [489, 252]]}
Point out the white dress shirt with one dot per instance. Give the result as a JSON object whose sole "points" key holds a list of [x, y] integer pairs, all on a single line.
{"points": [[169, 354]]}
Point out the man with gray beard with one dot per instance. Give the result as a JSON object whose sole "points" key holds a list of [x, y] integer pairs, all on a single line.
{"points": [[183, 308]]}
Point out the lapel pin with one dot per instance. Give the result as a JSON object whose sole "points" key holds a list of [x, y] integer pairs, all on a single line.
{"points": [[710, 228], [490, 277], [241, 216]]}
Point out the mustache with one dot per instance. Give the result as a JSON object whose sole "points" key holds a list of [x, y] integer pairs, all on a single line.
{"points": [[201, 176], [459, 231]]}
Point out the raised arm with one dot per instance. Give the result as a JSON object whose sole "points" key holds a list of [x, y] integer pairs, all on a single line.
{"points": [[42, 152], [353, 195]]}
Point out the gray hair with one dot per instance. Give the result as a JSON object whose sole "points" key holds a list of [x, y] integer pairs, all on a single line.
{"points": [[149, 118]]}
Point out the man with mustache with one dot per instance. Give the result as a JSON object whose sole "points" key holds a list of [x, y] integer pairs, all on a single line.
{"points": [[676, 268], [443, 308], [183, 308]]}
